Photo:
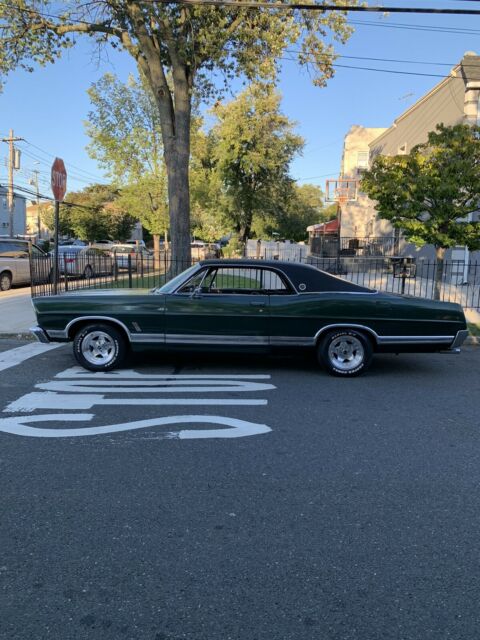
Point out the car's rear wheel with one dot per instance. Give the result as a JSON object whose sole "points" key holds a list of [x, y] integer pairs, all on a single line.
{"points": [[345, 352], [5, 281], [99, 347]]}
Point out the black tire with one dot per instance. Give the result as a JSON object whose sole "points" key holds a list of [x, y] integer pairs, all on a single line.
{"points": [[345, 352], [109, 342], [88, 272], [5, 281]]}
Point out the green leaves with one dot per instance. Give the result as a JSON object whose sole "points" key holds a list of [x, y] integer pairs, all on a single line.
{"points": [[255, 146], [430, 192]]}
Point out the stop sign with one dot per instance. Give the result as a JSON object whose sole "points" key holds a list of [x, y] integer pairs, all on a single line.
{"points": [[59, 179]]}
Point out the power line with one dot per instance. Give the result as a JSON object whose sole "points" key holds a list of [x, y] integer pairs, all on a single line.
{"points": [[51, 155], [319, 7], [416, 27], [396, 71]]}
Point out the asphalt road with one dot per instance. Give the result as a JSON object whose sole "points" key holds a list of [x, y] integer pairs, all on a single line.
{"points": [[355, 517]]}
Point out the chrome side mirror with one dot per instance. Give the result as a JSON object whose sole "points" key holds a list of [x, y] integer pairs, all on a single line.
{"points": [[197, 293]]}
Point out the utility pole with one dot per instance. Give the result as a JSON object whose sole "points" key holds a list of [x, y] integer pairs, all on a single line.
{"points": [[12, 164], [35, 179]]}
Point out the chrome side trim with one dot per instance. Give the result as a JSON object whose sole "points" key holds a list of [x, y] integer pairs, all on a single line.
{"points": [[384, 340], [350, 293], [147, 338], [415, 339], [344, 325], [296, 341], [183, 338], [40, 334], [82, 318]]}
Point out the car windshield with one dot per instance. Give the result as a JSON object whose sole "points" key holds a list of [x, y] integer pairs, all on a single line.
{"points": [[172, 284]]}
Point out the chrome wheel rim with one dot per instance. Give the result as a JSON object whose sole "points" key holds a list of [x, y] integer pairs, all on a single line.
{"points": [[4, 283], [98, 348], [346, 353]]}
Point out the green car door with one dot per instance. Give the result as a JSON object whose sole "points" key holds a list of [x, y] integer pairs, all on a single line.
{"points": [[219, 306]]}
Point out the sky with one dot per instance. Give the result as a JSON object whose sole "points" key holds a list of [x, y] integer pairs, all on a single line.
{"points": [[47, 108]]}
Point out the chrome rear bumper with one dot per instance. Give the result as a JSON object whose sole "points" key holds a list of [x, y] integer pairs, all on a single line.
{"points": [[40, 334], [457, 343]]}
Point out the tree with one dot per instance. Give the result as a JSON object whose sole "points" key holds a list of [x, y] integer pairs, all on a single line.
{"points": [[429, 192], [209, 202], [47, 214], [179, 49], [302, 207], [125, 133], [255, 146], [146, 199], [94, 214]]}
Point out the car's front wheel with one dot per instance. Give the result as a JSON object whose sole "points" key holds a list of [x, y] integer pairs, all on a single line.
{"points": [[99, 347], [345, 352]]}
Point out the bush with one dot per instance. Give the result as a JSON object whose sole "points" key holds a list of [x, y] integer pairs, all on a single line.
{"points": [[234, 249]]}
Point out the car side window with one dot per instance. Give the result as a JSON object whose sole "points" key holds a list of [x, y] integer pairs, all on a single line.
{"points": [[12, 249], [246, 280], [191, 285], [36, 252]]}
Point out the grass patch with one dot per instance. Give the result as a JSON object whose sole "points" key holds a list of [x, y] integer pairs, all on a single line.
{"points": [[474, 329]]}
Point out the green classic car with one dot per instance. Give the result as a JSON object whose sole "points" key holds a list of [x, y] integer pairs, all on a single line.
{"points": [[250, 304]]}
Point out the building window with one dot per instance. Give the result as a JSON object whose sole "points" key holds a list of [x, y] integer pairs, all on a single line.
{"points": [[362, 159], [402, 151]]}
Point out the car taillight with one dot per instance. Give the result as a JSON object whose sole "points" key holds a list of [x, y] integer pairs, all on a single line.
{"points": [[69, 260]]}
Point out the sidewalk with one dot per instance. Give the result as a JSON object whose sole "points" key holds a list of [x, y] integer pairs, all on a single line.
{"points": [[16, 312], [17, 315]]}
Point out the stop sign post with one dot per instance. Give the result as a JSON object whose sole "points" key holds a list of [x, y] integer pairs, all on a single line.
{"points": [[59, 187]]}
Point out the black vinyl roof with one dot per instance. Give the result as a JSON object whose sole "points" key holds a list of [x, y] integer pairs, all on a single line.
{"points": [[304, 277]]}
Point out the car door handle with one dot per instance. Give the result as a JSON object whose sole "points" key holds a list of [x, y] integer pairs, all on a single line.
{"points": [[257, 303]]}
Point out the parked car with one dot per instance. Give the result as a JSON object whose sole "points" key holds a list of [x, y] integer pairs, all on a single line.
{"points": [[86, 262], [72, 241], [15, 262], [204, 250], [138, 255], [102, 244], [244, 305]]}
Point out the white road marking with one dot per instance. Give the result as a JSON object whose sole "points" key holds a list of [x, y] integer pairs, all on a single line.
{"points": [[130, 374], [18, 425], [152, 386], [77, 389], [49, 400], [12, 357]]}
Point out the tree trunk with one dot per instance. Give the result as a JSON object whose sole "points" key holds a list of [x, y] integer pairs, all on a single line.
{"points": [[179, 204], [246, 228], [440, 254], [156, 251]]}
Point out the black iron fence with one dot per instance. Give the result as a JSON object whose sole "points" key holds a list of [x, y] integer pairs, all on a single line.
{"points": [[331, 246], [460, 282]]}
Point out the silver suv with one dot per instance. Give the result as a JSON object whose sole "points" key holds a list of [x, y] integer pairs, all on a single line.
{"points": [[15, 263]]}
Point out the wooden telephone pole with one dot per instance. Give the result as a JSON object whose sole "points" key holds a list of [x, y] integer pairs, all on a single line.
{"points": [[11, 166]]}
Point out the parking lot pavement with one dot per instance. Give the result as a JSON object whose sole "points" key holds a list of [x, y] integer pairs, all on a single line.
{"points": [[246, 498]]}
